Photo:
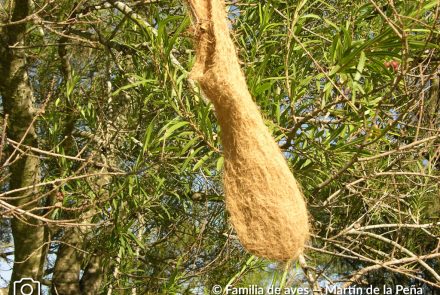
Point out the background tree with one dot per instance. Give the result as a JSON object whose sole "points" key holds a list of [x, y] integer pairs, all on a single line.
{"points": [[111, 159]]}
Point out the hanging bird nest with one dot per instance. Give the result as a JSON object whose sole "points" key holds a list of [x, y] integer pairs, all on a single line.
{"points": [[266, 206]]}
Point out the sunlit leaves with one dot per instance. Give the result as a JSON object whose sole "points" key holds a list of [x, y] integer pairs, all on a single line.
{"points": [[318, 71]]}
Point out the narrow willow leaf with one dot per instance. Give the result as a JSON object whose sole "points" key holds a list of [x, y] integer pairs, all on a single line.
{"points": [[360, 66], [169, 130], [202, 161], [220, 163]]}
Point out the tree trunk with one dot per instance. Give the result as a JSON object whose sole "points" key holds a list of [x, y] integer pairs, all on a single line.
{"points": [[67, 270], [93, 276], [68, 264], [17, 98]]}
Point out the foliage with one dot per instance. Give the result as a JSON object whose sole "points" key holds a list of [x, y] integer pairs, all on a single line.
{"points": [[349, 90]]}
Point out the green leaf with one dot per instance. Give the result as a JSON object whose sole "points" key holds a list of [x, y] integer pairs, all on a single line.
{"points": [[141, 81], [263, 87], [360, 66], [70, 85], [170, 130], [189, 158], [202, 161], [220, 163], [147, 136]]}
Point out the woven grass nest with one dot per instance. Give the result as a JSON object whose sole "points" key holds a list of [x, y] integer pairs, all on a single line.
{"points": [[266, 207]]}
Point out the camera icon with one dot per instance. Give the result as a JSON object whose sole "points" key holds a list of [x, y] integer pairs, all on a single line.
{"points": [[26, 286]]}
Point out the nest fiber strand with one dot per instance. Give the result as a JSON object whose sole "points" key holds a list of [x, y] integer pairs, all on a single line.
{"points": [[266, 206]]}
